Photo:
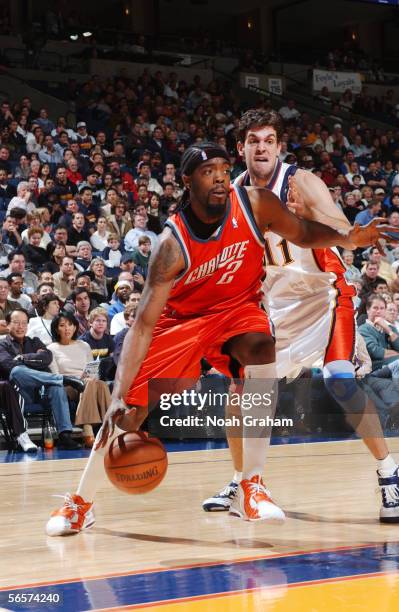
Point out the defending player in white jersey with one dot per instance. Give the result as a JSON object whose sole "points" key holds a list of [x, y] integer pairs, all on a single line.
{"points": [[308, 300]]}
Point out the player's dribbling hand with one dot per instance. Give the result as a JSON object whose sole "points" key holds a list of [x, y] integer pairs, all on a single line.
{"points": [[115, 412], [373, 234]]}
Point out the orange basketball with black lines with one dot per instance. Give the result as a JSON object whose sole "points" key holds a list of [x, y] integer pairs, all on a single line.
{"points": [[136, 463]]}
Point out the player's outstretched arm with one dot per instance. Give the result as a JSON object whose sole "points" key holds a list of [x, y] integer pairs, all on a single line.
{"points": [[314, 202], [166, 263], [271, 214]]}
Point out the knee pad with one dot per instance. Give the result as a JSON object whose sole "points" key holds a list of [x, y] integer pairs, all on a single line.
{"points": [[339, 378]]}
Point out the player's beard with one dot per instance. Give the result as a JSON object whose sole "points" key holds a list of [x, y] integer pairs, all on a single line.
{"points": [[215, 210]]}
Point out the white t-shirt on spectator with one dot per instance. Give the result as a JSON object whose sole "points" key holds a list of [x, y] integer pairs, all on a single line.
{"points": [[118, 323], [133, 235]]}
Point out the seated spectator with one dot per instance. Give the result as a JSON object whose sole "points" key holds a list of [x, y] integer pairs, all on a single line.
{"points": [[128, 315], [89, 207], [119, 321], [112, 254], [381, 339], [6, 306], [35, 255], [144, 170], [25, 362], [99, 282], [385, 270], [351, 207], [365, 216], [119, 221], [71, 207], [168, 197], [77, 232], [15, 291], [140, 229], [16, 262], [64, 188], [47, 307], [152, 223], [289, 113], [23, 199], [84, 280], [7, 191], [56, 251], [126, 179], [99, 240], [392, 316], [71, 357], [9, 241], [374, 177], [82, 303], [50, 153], [122, 291], [111, 197], [72, 173], [354, 171], [352, 273], [13, 413], [97, 338], [45, 288], [84, 255], [141, 255], [63, 280]]}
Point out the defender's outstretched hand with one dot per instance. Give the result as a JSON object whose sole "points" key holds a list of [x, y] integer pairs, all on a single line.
{"points": [[373, 233]]}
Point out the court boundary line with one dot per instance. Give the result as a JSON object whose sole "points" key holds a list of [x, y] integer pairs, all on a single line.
{"points": [[208, 596], [186, 567]]}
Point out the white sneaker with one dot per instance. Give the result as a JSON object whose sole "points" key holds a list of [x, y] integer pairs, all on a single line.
{"points": [[389, 511], [26, 443], [76, 514], [252, 502]]}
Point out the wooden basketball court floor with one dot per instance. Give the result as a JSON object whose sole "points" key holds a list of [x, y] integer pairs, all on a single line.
{"points": [[160, 551]]}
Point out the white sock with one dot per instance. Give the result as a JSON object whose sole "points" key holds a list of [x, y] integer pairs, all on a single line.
{"points": [[237, 477], [256, 439], [387, 466], [94, 473]]}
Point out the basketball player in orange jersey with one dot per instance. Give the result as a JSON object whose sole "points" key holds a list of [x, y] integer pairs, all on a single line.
{"points": [[308, 300], [202, 296]]}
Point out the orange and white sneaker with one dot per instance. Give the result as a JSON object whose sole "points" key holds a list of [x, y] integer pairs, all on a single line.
{"points": [[253, 502], [76, 514]]}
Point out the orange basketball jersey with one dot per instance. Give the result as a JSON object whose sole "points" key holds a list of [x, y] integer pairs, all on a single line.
{"points": [[223, 270]]}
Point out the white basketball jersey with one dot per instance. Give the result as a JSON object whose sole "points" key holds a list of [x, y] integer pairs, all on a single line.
{"points": [[299, 295]]}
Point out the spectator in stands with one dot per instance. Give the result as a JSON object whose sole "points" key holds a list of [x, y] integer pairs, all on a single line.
{"points": [[100, 342], [153, 185], [289, 113], [7, 191], [112, 255], [127, 180], [128, 314], [385, 269], [83, 139], [16, 285], [23, 199], [119, 221], [140, 229], [122, 291], [70, 209], [71, 357], [141, 255], [89, 208], [16, 262], [64, 279], [47, 307], [365, 216], [352, 273], [84, 255], [45, 123], [51, 153], [72, 172], [82, 303], [63, 187], [10, 240], [35, 255], [382, 340], [99, 282], [354, 171], [78, 231], [121, 320], [99, 239], [6, 306], [25, 361], [370, 278]]}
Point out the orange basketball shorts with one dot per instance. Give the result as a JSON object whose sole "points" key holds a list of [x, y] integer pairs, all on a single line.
{"points": [[179, 344]]}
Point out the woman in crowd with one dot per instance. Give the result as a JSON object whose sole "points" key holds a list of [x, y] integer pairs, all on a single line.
{"points": [[70, 358], [48, 307], [45, 172], [99, 240], [35, 255], [99, 283], [56, 251]]}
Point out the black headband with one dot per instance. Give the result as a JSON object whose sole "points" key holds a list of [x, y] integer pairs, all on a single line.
{"points": [[198, 154]]}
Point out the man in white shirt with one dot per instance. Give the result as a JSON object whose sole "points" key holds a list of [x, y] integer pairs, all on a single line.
{"points": [[289, 112], [22, 199], [140, 229]]}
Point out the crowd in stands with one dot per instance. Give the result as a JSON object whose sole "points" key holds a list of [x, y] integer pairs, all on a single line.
{"points": [[82, 206]]}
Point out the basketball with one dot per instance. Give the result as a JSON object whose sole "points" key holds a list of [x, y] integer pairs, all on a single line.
{"points": [[135, 463]]}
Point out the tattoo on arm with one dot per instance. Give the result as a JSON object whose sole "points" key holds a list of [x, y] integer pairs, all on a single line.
{"points": [[165, 262]]}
